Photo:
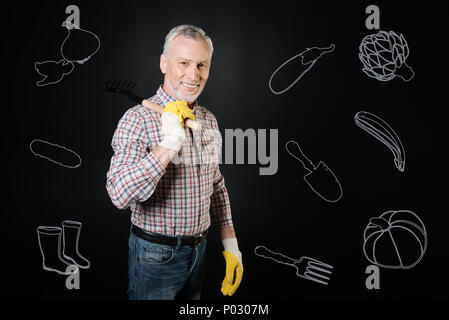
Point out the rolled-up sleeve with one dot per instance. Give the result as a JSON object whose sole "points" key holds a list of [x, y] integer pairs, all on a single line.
{"points": [[134, 170]]}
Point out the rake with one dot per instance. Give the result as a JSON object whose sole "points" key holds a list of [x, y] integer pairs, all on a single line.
{"points": [[306, 267], [126, 88]]}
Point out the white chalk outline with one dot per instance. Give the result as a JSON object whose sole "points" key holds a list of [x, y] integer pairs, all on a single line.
{"points": [[372, 59], [50, 159], [391, 224], [47, 230], [310, 167], [46, 76], [76, 225], [306, 267], [69, 27], [382, 131], [59, 232], [311, 63]]}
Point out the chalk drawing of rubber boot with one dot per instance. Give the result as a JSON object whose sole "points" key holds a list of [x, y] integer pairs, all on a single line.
{"points": [[50, 244], [71, 231]]}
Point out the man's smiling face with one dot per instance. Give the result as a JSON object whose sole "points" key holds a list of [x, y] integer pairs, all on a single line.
{"points": [[186, 67]]}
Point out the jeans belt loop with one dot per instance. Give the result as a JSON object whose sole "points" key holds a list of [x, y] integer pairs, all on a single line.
{"points": [[178, 244]]}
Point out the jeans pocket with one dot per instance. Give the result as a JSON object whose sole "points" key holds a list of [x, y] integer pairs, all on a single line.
{"points": [[156, 254]]}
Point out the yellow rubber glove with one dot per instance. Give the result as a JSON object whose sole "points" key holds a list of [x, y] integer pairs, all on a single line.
{"points": [[234, 273], [180, 109]]}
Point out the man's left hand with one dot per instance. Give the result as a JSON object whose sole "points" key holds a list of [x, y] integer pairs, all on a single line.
{"points": [[234, 266]]}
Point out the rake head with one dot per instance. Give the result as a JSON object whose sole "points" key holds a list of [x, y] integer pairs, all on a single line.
{"points": [[123, 87], [119, 86]]}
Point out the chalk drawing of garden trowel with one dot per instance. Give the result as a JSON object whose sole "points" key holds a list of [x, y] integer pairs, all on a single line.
{"points": [[320, 178]]}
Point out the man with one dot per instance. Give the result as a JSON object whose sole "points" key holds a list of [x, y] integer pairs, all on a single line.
{"points": [[173, 202]]}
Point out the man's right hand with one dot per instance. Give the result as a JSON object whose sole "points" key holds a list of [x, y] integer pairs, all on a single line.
{"points": [[173, 124]]}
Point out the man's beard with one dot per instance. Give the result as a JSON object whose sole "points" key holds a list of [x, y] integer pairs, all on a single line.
{"points": [[179, 96]]}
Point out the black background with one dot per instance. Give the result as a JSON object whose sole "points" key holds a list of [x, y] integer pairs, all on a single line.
{"points": [[251, 40]]}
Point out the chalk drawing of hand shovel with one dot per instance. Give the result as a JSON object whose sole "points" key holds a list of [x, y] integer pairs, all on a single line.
{"points": [[320, 178]]}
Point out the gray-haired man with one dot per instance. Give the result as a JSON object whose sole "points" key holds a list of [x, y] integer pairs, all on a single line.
{"points": [[172, 204]]}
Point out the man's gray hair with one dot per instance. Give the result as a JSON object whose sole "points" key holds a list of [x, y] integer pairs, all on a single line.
{"points": [[187, 31]]}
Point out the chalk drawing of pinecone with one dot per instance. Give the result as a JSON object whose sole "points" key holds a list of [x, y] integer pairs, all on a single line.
{"points": [[383, 56]]}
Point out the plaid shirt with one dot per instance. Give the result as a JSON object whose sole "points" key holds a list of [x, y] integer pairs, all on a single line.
{"points": [[180, 199]]}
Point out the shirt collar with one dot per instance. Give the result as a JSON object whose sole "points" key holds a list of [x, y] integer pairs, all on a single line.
{"points": [[166, 98]]}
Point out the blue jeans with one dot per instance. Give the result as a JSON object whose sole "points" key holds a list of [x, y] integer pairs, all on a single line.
{"points": [[163, 272]]}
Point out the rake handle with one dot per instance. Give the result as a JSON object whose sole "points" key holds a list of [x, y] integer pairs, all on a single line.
{"points": [[264, 252], [192, 124]]}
